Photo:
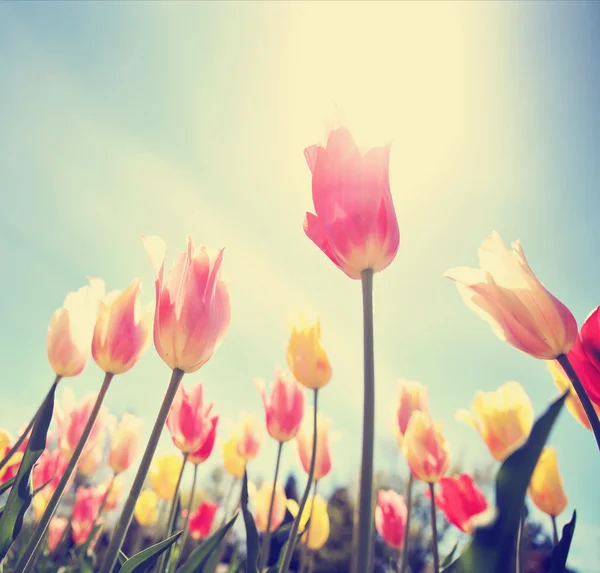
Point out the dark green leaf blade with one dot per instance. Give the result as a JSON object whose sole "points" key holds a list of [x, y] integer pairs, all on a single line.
{"points": [[252, 540], [144, 560], [491, 548], [561, 551], [21, 493]]}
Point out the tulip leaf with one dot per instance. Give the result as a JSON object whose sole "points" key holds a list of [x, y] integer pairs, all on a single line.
{"points": [[122, 558], [200, 557], [448, 559], [7, 484], [491, 548], [276, 568], [252, 541], [561, 551], [21, 493], [234, 562], [144, 560]]}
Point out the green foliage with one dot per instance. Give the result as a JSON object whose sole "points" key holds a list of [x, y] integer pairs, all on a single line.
{"points": [[561, 551], [145, 559], [252, 540]]}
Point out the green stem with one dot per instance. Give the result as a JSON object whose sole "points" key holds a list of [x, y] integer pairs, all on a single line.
{"points": [[186, 529], [309, 555], [434, 536], [27, 430], [266, 545], [554, 530], [590, 412], [407, 528], [287, 558], [118, 536], [365, 496], [519, 547], [163, 562], [27, 562]]}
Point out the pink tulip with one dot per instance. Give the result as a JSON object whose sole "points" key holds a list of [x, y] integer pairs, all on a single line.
{"points": [[124, 441], [49, 470], [189, 419], [507, 295], [250, 435], [390, 518], [56, 529], [201, 520], [355, 223], [206, 448], [71, 328], [305, 440], [85, 512], [284, 408], [122, 330], [412, 396], [192, 305]]}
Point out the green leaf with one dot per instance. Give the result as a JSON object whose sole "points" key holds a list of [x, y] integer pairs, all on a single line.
{"points": [[491, 548], [21, 493], [144, 560], [235, 561], [252, 540], [7, 484], [275, 568], [199, 558], [561, 551], [448, 559]]}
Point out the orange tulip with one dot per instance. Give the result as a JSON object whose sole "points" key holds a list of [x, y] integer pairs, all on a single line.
{"points": [[306, 356], [124, 441], [192, 305], [546, 485], [425, 448], [506, 293], [305, 440], [503, 418], [412, 396]]}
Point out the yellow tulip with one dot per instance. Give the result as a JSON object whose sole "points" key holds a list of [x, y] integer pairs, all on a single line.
{"points": [[546, 485], [234, 463], [503, 418], [318, 532], [164, 473], [306, 356], [146, 508], [262, 501], [39, 503]]}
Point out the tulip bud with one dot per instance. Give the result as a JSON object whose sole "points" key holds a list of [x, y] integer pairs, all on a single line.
{"points": [[412, 396], [85, 513], [250, 437], [306, 356], [201, 520], [206, 447], [164, 473], [546, 485], [262, 501], [305, 439], [124, 441], [146, 508], [390, 517], [111, 489], [91, 458], [233, 463], [318, 530]]}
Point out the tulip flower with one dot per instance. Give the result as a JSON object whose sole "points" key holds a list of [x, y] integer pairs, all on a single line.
{"points": [[250, 437], [572, 402], [506, 293], [11, 468], [122, 330], [233, 463], [461, 501], [546, 485], [305, 439], [49, 470], [91, 458], [306, 356], [56, 529], [318, 530], [111, 490], [284, 407], [425, 448], [124, 441], [164, 472], [412, 396], [206, 447], [201, 520], [189, 420], [146, 508], [262, 501], [503, 418], [390, 517], [85, 512], [355, 223], [192, 305]]}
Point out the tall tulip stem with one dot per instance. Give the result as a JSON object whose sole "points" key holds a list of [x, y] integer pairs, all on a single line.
{"points": [[287, 558], [266, 544], [118, 536], [186, 523], [27, 562], [554, 530], [365, 496], [434, 535], [407, 527], [519, 546], [591, 414], [27, 430]]}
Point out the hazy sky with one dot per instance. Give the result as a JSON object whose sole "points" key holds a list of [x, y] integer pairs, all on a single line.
{"points": [[121, 119]]}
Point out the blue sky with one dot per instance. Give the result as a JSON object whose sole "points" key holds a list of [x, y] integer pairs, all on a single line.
{"points": [[121, 119]]}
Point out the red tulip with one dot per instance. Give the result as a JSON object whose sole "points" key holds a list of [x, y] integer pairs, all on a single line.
{"points": [[355, 223], [390, 517], [206, 448], [461, 500], [585, 356], [201, 520]]}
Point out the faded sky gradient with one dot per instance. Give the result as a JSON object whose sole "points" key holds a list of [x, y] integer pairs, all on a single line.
{"points": [[121, 119]]}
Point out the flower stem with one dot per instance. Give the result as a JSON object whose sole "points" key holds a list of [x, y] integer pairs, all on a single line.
{"points": [[519, 547], [186, 529], [266, 544], [365, 496], [27, 430], [554, 530], [407, 528], [27, 562], [118, 536], [310, 555], [287, 558], [591, 414], [434, 536]]}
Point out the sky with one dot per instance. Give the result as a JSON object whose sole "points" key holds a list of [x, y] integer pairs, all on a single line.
{"points": [[121, 119]]}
